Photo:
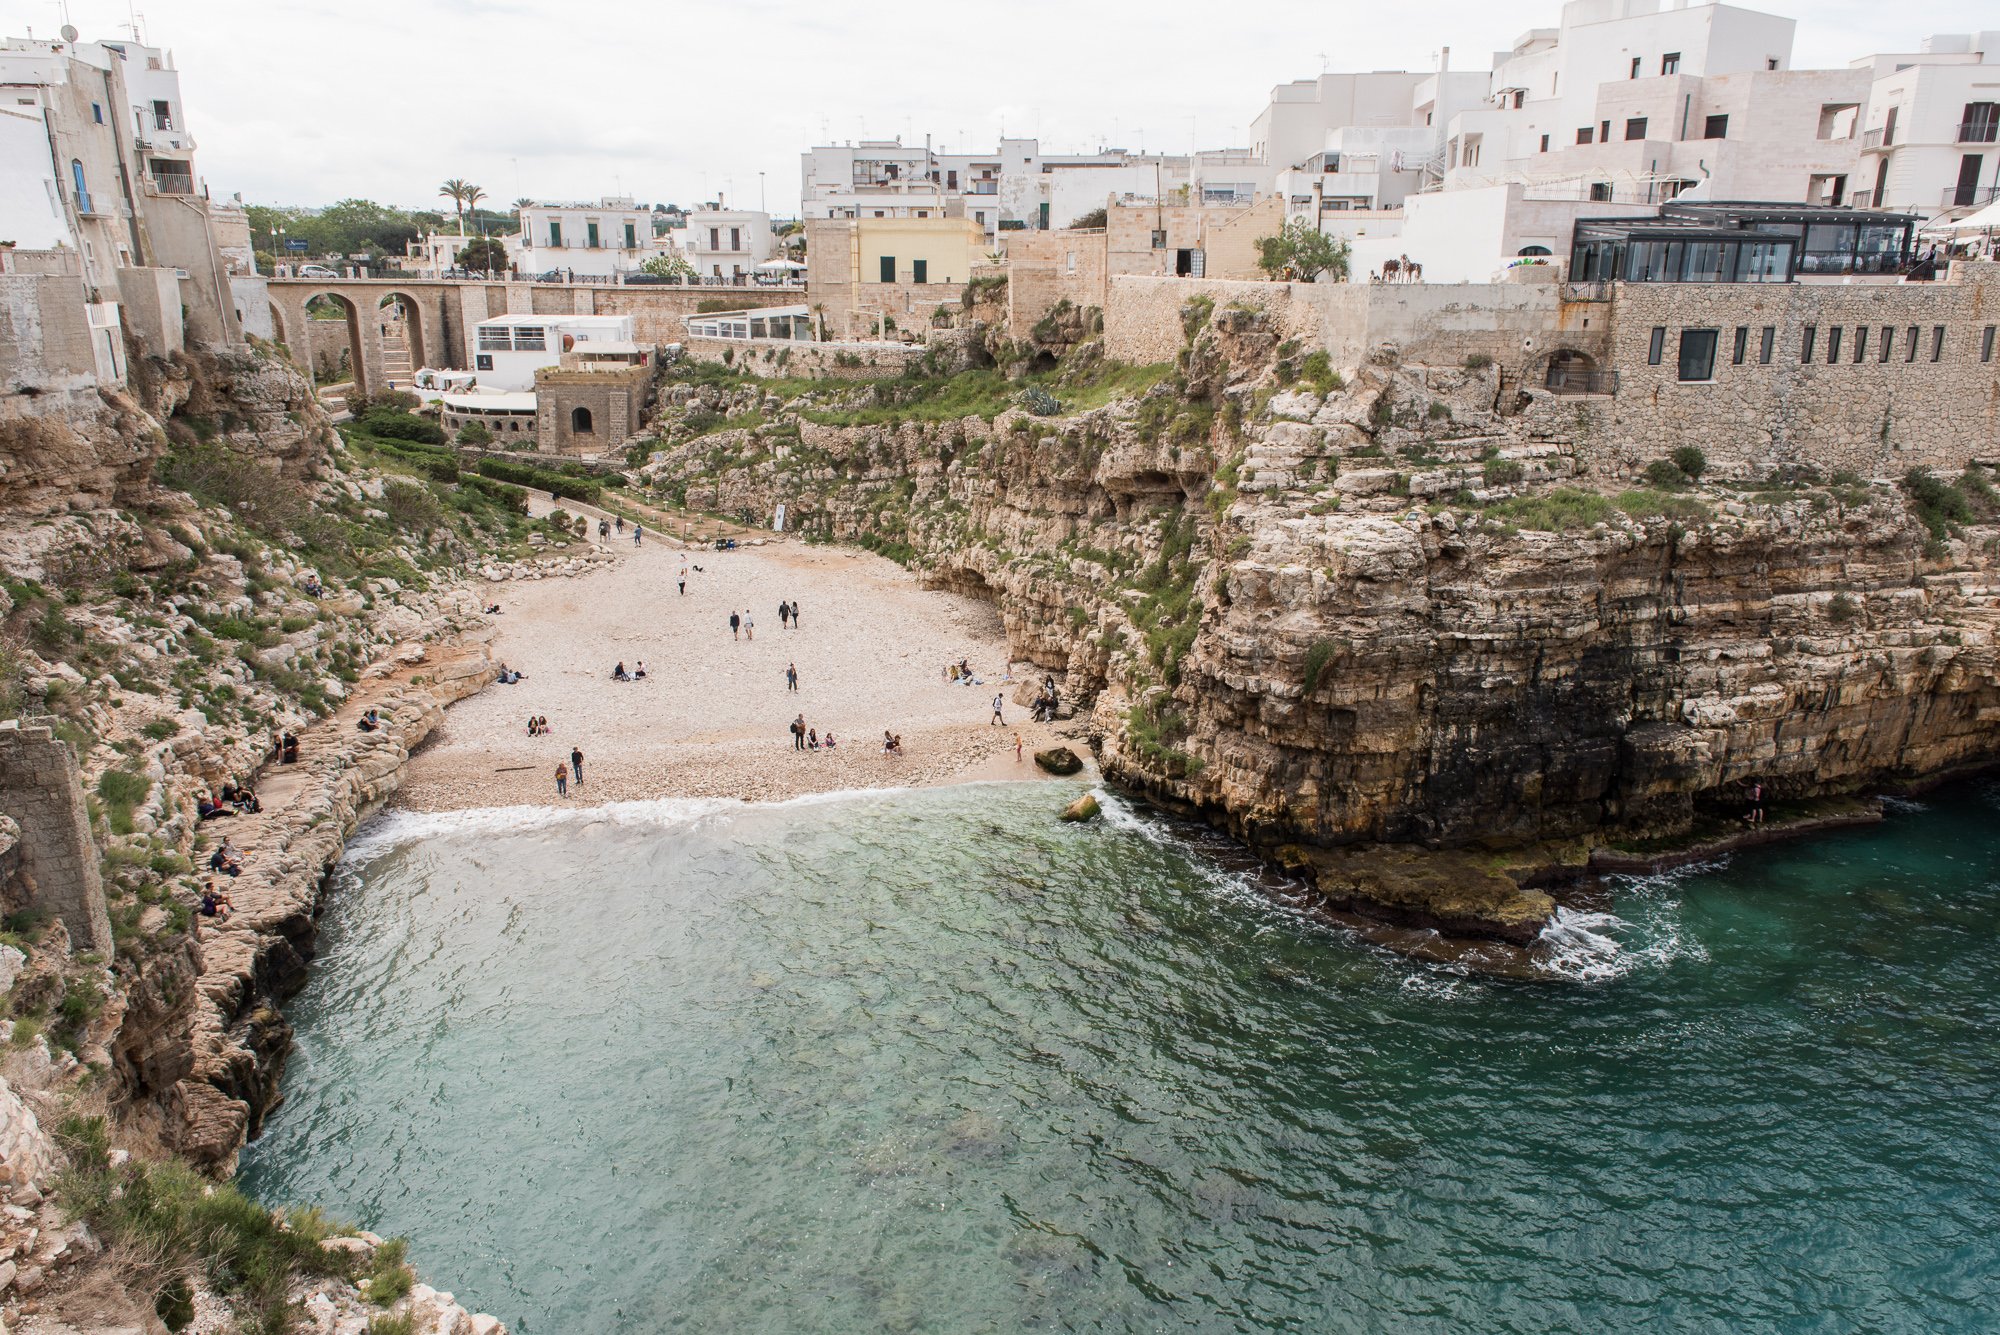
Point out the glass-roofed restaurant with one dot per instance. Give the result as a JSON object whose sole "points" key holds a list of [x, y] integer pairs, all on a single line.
{"points": [[1740, 243]]}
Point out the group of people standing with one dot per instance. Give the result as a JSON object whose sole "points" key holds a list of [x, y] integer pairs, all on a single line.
{"points": [[744, 627]]}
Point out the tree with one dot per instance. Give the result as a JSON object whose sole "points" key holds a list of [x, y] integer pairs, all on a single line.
{"points": [[669, 264], [462, 194], [1302, 252], [1094, 218], [483, 254], [522, 203]]}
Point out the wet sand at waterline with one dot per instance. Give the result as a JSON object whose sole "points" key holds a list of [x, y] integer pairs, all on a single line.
{"points": [[711, 717]]}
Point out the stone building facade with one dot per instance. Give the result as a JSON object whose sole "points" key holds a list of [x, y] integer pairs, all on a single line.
{"points": [[590, 411]]}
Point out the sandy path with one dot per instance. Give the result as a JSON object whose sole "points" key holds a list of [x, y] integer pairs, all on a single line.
{"points": [[711, 718]]}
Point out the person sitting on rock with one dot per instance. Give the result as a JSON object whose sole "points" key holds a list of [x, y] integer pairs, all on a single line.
{"points": [[226, 860], [235, 795], [207, 808], [288, 749], [370, 721], [214, 904]]}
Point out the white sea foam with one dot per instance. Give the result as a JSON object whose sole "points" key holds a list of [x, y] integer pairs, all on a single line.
{"points": [[1597, 947], [1902, 806], [396, 828]]}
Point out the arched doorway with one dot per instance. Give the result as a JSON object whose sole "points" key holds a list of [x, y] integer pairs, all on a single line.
{"points": [[1533, 250], [327, 359], [1574, 372], [403, 350], [580, 423]]}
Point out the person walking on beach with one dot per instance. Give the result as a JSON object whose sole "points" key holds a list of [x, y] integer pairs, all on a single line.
{"points": [[998, 721], [576, 763], [1017, 748], [784, 614], [638, 532], [735, 624], [799, 733], [795, 614], [792, 677], [749, 626], [684, 579], [562, 780]]}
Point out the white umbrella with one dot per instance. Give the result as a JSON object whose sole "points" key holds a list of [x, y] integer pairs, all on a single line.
{"points": [[1986, 217], [777, 266]]}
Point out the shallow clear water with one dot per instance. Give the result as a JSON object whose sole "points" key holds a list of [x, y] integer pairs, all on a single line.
{"points": [[933, 1061]]}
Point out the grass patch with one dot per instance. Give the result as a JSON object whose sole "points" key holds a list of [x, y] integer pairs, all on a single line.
{"points": [[1318, 658], [1564, 510], [122, 790], [1659, 504]]}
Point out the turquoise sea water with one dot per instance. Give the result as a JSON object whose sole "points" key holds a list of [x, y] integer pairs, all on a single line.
{"points": [[933, 1061]]}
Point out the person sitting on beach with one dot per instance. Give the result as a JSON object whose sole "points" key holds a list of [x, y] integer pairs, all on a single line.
{"points": [[207, 808], [508, 676], [619, 673], [288, 749], [534, 729], [542, 728], [493, 609], [370, 721], [896, 744], [829, 740], [812, 739], [639, 672]]}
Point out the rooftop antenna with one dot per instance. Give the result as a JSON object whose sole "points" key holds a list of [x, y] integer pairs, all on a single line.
{"points": [[1324, 63]]}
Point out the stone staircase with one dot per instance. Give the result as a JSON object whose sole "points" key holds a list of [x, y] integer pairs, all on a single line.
{"points": [[396, 368]]}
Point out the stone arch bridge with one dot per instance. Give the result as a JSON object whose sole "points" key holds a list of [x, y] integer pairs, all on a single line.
{"points": [[437, 315]]}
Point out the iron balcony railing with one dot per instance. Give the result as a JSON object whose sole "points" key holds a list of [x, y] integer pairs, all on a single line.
{"points": [[1979, 132], [1877, 139], [1576, 380]]}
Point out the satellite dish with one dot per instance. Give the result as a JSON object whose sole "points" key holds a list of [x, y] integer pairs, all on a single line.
{"points": [[68, 32]]}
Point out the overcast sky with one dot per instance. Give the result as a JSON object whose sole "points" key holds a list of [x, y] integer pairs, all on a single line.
{"points": [[308, 101]]}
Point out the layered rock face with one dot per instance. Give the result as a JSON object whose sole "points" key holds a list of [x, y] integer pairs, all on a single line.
{"points": [[1378, 613]]}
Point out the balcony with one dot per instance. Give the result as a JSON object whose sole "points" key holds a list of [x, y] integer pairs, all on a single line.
{"points": [[1971, 196], [1874, 140], [1979, 132]]}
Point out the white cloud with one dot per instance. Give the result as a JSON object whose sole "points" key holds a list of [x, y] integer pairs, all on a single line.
{"points": [[300, 101]]}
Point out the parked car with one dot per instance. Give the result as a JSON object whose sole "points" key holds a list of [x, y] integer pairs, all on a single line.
{"points": [[315, 271], [552, 276], [650, 278]]}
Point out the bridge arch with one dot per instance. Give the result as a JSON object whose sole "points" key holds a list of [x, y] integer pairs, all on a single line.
{"points": [[357, 358], [400, 306]]}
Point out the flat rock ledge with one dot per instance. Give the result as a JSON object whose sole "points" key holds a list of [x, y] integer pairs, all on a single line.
{"points": [[1444, 892], [258, 955]]}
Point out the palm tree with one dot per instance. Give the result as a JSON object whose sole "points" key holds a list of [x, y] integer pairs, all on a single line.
{"points": [[523, 203], [463, 195]]}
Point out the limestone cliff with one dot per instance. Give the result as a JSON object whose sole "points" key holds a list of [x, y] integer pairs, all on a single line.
{"points": [[1382, 611]]}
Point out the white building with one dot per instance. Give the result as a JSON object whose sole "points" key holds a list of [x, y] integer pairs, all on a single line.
{"points": [[1931, 140], [507, 350], [601, 240], [725, 243], [1016, 185]]}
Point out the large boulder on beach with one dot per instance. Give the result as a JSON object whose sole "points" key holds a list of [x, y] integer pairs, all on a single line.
{"points": [[1084, 808], [1059, 760]]}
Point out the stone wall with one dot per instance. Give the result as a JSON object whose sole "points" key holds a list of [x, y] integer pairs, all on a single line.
{"points": [[40, 792], [1930, 404], [816, 361], [150, 307], [44, 334], [331, 347], [615, 403]]}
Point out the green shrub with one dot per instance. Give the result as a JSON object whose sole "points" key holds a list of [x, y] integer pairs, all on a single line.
{"points": [[161, 728], [1318, 658], [1665, 474], [1318, 373], [1504, 472], [1691, 461], [542, 479], [390, 424], [1478, 361], [1657, 504], [1565, 510], [475, 433], [389, 1276], [1842, 608], [122, 790]]}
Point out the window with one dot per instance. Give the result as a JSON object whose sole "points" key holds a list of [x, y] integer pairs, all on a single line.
{"points": [[97, 112], [736, 238], [82, 190], [1742, 348], [1986, 344], [1635, 127], [1807, 341], [1910, 344], [1715, 127], [1767, 344], [715, 237], [1600, 192], [1833, 344], [590, 235], [493, 338], [1670, 63], [1860, 344], [1888, 343], [1519, 98], [1635, 65], [1697, 354], [1159, 240], [531, 338], [1604, 132], [951, 180], [163, 116], [888, 269], [555, 232], [631, 237], [1585, 134], [1937, 343], [1657, 346], [1545, 143], [920, 271], [1770, 62]]}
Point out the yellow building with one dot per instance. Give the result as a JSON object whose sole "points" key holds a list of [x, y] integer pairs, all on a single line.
{"points": [[874, 274]]}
